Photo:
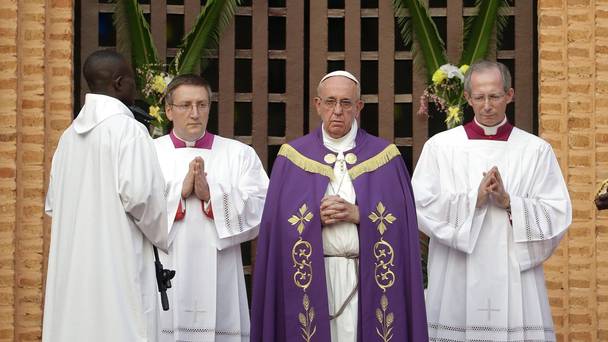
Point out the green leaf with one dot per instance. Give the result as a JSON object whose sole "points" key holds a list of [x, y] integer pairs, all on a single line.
{"points": [[204, 35], [137, 40], [427, 36], [478, 35]]}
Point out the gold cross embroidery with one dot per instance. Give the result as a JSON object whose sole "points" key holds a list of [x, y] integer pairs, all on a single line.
{"points": [[379, 215], [304, 216]]}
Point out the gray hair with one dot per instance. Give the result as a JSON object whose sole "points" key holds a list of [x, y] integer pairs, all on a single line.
{"points": [[484, 65]]}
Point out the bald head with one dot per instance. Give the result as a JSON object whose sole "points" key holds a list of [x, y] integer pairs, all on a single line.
{"points": [[108, 73]]}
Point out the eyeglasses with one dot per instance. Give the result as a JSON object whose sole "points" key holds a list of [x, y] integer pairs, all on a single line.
{"points": [[481, 99], [330, 103], [187, 107]]}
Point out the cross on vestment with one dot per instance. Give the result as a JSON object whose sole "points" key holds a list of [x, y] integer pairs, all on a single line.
{"points": [[489, 309], [195, 310]]}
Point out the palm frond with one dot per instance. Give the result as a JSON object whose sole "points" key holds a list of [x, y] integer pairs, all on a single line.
{"points": [[137, 39], [407, 36], [428, 40], [216, 15], [502, 19], [478, 33]]}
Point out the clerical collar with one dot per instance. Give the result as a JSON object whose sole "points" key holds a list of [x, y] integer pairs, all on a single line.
{"points": [[477, 131], [490, 130], [205, 141], [342, 144]]}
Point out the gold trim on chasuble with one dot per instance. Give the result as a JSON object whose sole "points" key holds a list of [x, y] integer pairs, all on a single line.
{"points": [[385, 277], [372, 164], [307, 164], [302, 277]]}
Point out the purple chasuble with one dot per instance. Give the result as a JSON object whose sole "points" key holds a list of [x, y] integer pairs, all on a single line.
{"points": [[289, 291], [475, 132], [206, 141]]}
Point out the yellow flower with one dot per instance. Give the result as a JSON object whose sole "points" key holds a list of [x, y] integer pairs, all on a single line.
{"points": [[158, 84], [464, 68], [453, 114], [155, 112], [438, 76]]}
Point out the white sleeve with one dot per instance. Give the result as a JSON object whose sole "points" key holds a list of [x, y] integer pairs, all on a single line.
{"points": [[450, 218], [540, 218], [237, 205], [48, 203], [141, 189]]}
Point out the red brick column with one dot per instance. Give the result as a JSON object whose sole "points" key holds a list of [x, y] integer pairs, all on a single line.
{"points": [[36, 50]]}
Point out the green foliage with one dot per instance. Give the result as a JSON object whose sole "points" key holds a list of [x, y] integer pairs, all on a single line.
{"points": [[153, 75], [427, 37], [132, 26], [478, 33], [443, 88], [212, 20]]}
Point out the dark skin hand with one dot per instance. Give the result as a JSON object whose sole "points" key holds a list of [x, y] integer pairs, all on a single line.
{"points": [[196, 180], [491, 188], [335, 209]]}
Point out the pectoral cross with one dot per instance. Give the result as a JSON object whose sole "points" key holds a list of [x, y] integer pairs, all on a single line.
{"points": [[489, 309], [195, 310]]}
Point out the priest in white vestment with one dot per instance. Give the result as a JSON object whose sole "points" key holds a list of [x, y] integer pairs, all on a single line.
{"points": [[106, 199], [216, 189], [493, 201]]}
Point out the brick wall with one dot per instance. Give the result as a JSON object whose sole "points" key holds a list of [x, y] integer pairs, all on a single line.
{"points": [[36, 106], [36, 97], [573, 56]]}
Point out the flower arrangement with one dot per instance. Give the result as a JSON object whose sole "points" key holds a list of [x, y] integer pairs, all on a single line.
{"points": [[445, 81], [152, 76], [446, 91], [154, 90]]}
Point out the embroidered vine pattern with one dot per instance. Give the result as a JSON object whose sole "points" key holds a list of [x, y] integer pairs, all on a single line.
{"points": [[385, 277], [302, 277], [300, 254]]}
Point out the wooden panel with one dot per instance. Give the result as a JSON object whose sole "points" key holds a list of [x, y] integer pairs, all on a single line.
{"points": [[260, 79], [386, 69], [420, 125], [455, 25], [317, 60], [294, 109], [306, 55], [226, 83], [524, 65], [88, 38], [352, 37], [192, 9], [158, 18]]}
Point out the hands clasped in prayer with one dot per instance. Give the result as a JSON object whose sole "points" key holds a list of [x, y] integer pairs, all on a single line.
{"points": [[492, 188], [336, 209], [196, 180]]}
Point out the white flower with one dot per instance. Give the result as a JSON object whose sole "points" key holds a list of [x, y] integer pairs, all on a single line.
{"points": [[168, 78], [452, 71]]}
